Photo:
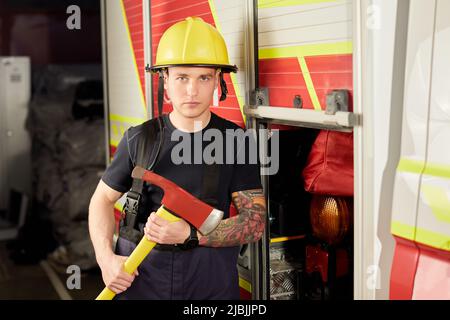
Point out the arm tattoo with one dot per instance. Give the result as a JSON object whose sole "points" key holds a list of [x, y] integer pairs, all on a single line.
{"points": [[245, 227]]}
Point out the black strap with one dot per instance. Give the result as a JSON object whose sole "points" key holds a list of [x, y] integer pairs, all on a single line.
{"points": [[211, 179], [147, 149], [147, 154], [160, 92], [223, 88]]}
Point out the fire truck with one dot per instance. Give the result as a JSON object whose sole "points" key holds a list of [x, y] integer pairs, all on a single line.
{"points": [[356, 92]]}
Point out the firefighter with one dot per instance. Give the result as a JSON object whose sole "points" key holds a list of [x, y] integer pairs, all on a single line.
{"points": [[191, 60]]}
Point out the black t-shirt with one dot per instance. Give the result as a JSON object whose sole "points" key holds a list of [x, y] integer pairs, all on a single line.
{"points": [[233, 175], [204, 272]]}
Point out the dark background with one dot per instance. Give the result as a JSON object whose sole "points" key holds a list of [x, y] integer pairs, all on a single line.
{"points": [[37, 28]]}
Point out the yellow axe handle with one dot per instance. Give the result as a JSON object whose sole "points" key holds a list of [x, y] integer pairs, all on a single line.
{"points": [[139, 253]]}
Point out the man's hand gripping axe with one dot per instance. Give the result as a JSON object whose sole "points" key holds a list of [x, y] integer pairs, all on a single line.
{"points": [[175, 201]]}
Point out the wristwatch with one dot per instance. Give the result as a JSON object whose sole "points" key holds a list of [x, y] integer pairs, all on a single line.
{"points": [[191, 241]]}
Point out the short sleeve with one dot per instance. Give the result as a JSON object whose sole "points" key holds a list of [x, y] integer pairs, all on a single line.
{"points": [[118, 173], [246, 169]]}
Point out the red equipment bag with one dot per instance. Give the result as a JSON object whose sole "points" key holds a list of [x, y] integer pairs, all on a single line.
{"points": [[329, 168]]}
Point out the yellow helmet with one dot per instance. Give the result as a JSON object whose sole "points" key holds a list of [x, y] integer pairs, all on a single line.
{"points": [[192, 42]]}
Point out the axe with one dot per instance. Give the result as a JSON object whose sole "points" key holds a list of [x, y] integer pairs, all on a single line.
{"points": [[176, 203]]}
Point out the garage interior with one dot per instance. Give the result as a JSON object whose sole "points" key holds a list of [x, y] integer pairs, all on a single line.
{"points": [[51, 113]]}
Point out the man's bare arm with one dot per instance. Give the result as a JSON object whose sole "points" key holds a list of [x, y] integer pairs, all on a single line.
{"points": [[245, 227], [101, 220], [101, 229]]}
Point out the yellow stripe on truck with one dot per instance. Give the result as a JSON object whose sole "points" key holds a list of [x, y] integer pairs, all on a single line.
{"points": [[402, 230], [428, 168], [310, 50], [436, 197], [127, 120], [433, 239], [283, 239], [309, 83], [420, 235], [119, 124], [410, 166], [118, 206], [233, 77], [300, 52], [244, 284], [125, 21], [437, 170], [264, 4]]}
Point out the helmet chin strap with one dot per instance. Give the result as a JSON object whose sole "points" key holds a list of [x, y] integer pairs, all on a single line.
{"points": [[223, 88], [160, 92]]}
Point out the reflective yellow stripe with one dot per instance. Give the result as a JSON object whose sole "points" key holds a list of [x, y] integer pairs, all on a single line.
{"points": [[402, 230], [114, 143], [420, 235], [419, 166], [244, 284], [119, 124], [282, 239], [300, 52], [263, 4], [436, 197], [118, 206], [125, 119], [433, 239], [309, 83], [319, 49], [410, 165], [114, 129], [130, 43], [233, 77], [437, 170]]}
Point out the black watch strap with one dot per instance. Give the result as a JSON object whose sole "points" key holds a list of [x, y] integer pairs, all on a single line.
{"points": [[193, 234], [192, 240]]}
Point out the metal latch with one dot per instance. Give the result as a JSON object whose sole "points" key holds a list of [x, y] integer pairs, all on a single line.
{"points": [[259, 97], [337, 100], [131, 208], [298, 102]]}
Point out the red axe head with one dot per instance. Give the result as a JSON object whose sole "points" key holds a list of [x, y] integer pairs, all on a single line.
{"points": [[183, 204]]}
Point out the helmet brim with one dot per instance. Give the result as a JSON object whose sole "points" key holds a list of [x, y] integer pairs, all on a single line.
{"points": [[224, 68]]}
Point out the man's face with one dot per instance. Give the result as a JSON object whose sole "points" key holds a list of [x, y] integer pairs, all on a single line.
{"points": [[191, 89]]}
